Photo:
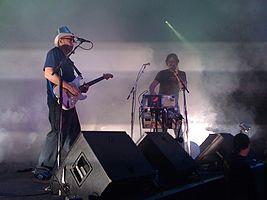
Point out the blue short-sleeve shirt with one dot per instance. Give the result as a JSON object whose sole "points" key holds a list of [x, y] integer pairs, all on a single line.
{"points": [[54, 58]]}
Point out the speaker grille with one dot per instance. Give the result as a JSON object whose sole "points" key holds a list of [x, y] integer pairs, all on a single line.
{"points": [[81, 169]]}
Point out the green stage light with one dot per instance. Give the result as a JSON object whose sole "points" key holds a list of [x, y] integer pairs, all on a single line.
{"points": [[179, 36]]}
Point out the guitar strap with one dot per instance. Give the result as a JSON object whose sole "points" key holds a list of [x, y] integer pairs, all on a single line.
{"points": [[77, 71]]}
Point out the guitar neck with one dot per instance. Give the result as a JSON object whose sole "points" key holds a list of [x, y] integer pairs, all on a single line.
{"points": [[94, 81]]}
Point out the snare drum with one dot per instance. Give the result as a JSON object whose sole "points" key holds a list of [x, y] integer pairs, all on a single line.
{"points": [[169, 101], [151, 101], [160, 110]]}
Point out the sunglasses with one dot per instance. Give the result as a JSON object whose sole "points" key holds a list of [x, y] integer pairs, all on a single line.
{"points": [[68, 38]]}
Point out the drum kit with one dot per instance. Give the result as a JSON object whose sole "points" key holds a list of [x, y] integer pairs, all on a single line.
{"points": [[160, 112]]}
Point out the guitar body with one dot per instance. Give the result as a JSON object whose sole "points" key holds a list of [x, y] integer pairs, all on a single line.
{"points": [[68, 100]]}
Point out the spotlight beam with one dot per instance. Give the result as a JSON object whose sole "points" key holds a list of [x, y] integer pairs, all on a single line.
{"points": [[179, 36]]}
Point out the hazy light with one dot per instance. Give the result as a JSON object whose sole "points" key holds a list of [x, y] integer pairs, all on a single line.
{"points": [[244, 127], [198, 130], [175, 32]]}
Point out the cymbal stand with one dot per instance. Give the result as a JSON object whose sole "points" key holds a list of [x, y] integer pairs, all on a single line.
{"points": [[133, 92]]}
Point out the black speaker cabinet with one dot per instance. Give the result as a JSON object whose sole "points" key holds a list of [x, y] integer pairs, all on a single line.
{"points": [[215, 148], [165, 154], [104, 164]]}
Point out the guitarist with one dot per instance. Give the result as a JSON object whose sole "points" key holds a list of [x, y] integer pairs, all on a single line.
{"points": [[64, 43]]}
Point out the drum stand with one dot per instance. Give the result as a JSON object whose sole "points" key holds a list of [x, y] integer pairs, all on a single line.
{"points": [[158, 112], [179, 123], [174, 122]]}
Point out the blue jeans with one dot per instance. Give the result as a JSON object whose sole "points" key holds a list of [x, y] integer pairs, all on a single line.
{"points": [[70, 131]]}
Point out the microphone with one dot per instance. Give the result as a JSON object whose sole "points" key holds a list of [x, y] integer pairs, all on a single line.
{"points": [[82, 40], [146, 64]]}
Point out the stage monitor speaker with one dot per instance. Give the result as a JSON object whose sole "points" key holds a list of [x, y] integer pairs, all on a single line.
{"points": [[215, 148], [166, 155], [104, 164]]}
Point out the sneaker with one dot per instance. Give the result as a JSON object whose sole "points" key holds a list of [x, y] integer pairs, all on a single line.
{"points": [[42, 174]]}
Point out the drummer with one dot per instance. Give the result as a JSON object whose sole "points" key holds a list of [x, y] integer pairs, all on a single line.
{"points": [[169, 81]]}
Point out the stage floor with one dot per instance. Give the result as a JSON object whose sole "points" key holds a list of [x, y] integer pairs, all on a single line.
{"points": [[205, 184], [21, 185]]}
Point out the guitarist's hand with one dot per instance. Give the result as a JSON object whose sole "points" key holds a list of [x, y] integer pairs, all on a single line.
{"points": [[84, 88]]}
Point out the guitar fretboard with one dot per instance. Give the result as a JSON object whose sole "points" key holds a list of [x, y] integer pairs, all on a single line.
{"points": [[91, 82]]}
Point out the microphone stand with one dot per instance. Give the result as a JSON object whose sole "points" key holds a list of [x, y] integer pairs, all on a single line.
{"points": [[133, 92], [184, 88], [59, 71]]}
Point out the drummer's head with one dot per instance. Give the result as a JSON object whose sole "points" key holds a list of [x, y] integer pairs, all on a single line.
{"points": [[172, 60]]}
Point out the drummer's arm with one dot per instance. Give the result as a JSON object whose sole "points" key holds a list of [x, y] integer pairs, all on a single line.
{"points": [[152, 87]]}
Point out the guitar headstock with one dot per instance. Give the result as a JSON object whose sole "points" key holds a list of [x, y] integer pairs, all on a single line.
{"points": [[107, 76]]}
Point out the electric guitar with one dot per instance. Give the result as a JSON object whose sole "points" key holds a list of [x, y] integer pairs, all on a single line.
{"points": [[68, 100]]}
